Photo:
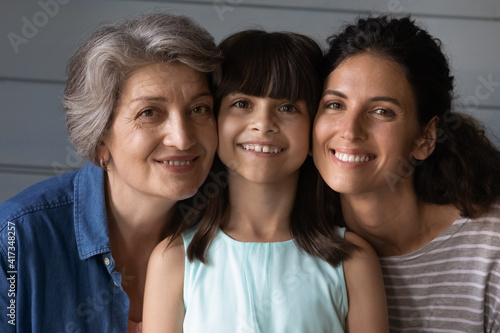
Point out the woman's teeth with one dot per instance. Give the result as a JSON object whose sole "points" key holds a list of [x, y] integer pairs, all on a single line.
{"points": [[352, 158]]}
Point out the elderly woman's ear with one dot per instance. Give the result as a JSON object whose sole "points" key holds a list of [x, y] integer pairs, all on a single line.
{"points": [[103, 155]]}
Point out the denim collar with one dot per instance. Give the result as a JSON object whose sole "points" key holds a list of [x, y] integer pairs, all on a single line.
{"points": [[91, 225]]}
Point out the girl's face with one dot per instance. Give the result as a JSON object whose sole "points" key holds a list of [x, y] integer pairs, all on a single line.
{"points": [[364, 132], [263, 139], [163, 136]]}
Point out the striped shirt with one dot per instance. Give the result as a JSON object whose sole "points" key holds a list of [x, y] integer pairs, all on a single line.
{"points": [[451, 284]]}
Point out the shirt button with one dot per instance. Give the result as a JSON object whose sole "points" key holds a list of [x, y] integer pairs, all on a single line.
{"points": [[106, 261]]}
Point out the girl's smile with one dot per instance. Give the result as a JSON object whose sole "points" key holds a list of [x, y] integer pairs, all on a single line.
{"points": [[261, 148], [263, 139]]}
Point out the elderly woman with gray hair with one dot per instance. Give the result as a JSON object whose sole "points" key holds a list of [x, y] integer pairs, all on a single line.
{"points": [[74, 248]]}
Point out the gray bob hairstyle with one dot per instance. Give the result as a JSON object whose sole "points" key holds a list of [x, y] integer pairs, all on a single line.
{"points": [[101, 65]]}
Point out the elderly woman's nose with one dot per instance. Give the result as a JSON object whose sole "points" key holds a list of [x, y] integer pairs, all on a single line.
{"points": [[179, 132]]}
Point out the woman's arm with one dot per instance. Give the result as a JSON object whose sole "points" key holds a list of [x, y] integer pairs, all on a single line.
{"points": [[365, 289], [163, 297]]}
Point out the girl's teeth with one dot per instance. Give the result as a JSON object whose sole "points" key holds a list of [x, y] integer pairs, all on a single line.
{"points": [[352, 158], [262, 149]]}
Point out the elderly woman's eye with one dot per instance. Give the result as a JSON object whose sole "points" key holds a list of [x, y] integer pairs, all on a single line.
{"points": [[147, 113], [202, 109]]}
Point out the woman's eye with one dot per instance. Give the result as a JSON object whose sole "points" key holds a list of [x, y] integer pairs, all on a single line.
{"points": [[288, 108], [241, 104], [334, 106], [385, 113]]}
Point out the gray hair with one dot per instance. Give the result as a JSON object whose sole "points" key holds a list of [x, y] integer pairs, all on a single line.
{"points": [[100, 66]]}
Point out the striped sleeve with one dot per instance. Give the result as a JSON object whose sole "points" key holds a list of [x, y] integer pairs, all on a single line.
{"points": [[450, 285]]}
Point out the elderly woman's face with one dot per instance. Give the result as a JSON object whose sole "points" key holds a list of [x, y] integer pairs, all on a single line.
{"points": [[163, 136]]}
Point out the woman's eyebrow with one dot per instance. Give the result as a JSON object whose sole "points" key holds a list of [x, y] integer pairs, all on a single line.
{"points": [[373, 99], [334, 92], [386, 99]]}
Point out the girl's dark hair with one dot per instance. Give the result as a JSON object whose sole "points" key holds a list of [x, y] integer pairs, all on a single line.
{"points": [[277, 65], [271, 64], [464, 169]]}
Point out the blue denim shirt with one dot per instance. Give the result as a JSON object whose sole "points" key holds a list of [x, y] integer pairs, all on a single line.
{"points": [[57, 272]]}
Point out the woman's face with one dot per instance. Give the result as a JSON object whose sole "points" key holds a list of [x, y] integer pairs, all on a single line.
{"points": [[163, 135], [365, 128], [263, 139]]}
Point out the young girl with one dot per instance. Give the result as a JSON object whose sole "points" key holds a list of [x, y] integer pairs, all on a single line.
{"points": [[263, 258], [419, 182]]}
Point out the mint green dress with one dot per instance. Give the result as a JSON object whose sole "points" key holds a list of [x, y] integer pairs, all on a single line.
{"points": [[262, 288]]}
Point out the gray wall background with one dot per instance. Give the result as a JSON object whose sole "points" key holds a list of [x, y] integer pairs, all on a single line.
{"points": [[38, 37]]}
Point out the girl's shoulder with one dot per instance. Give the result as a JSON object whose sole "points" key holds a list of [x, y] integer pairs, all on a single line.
{"points": [[167, 255], [363, 249], [365, 288], [362, 265], [362, 262], [163, 306]]}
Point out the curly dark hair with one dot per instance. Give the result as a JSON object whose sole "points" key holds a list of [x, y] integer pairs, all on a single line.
{"points": [[464, 169]]}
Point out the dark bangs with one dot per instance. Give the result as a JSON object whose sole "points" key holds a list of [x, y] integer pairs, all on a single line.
{"points": [[275, 65]]}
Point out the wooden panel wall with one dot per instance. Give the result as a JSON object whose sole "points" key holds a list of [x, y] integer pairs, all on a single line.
{"points": [[38, 37]]}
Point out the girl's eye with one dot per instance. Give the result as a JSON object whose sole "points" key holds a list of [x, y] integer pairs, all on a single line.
{"points": [[202, 109], [385, 113], [288, 108], [241, 104], [334, 105]]}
